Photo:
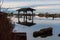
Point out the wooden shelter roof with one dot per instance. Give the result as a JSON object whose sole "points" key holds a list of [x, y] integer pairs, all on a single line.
{"points": [[26, 9]]}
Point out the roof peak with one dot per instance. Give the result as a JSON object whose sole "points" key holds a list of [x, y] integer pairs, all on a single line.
{"points": [[26, 9]]}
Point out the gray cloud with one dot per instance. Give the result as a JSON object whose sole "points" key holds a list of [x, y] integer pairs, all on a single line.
{"points": [[21, 0], [30, 0], [48, 10], [39, 3], [36, 5]]}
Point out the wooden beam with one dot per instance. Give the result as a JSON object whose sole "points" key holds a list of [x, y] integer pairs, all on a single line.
{"points": [[18, 17], [32, 16], [26, 16]]}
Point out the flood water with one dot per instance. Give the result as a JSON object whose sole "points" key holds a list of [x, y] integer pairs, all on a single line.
{"points": [[41, 22]]}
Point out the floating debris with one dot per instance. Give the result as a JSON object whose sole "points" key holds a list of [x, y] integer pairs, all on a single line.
{"points": [[43, 32], [59, 35]]}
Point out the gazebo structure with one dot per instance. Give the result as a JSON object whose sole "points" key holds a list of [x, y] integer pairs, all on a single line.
{"points": [[26, 16]]}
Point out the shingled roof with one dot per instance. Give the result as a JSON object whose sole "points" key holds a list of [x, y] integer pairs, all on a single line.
{"points": [[26, 9]]}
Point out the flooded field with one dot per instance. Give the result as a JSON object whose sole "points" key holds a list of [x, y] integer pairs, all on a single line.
{"points": [[41, 22]]}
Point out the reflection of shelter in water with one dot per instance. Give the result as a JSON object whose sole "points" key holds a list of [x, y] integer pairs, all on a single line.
{"points": [[27, 17]]}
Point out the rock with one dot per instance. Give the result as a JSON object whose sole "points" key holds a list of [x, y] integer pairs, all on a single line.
{"points": [[43, 32]]}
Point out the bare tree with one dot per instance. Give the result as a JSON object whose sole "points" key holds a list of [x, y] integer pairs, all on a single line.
{"points": [[1, 3]]}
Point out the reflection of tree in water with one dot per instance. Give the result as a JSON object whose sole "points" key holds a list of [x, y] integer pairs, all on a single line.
{"points": [[5, 27]]}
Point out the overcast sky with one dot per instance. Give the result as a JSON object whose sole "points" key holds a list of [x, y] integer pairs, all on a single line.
{"points": [[52, 6]]}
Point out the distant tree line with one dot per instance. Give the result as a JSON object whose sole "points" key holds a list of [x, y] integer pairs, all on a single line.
{"points": [[48, 15]]}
